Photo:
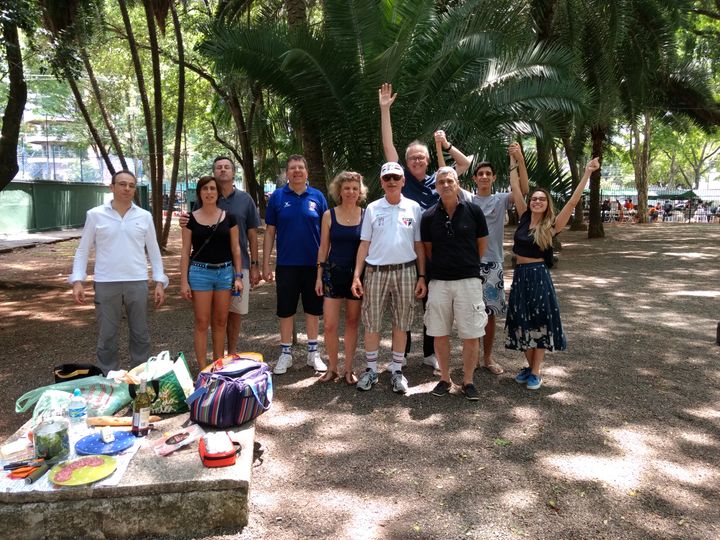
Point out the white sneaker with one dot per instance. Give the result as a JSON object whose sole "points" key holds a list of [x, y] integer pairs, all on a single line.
{"points": [[283, 363], [315, 362], [431, 361], [404, 361]]}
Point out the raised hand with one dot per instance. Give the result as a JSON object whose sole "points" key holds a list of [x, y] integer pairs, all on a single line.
{"points": [[593, 165], [386, 96], [515, 152]]}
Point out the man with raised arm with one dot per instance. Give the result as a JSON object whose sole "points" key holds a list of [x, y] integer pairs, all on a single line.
{"points": [[419, 185], [495, 207], [120, 232]]}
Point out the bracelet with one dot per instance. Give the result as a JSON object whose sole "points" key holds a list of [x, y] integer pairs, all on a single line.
{"points": [[253, 263], [319, 264], [421, 276], [449, 147], [513, 168], [238, 276]]}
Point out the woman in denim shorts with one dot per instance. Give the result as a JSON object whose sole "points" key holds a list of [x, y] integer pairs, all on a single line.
{"points": [[211, 270], [339, 241]]}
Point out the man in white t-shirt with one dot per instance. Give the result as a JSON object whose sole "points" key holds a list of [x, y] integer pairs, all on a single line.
{"points": [[120, 232], [495, 207], [394, 261]]}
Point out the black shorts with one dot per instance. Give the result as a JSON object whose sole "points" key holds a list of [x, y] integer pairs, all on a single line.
{"points": [[292, 283], [337, 281]]}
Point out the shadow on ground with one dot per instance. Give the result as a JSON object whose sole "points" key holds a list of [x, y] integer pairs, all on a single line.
{"points": [[620, 442]]}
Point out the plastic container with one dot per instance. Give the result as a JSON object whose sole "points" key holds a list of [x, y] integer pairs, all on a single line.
{"points": [[77, 409]]}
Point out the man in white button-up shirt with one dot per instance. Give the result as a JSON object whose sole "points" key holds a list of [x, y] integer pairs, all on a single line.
{"points": [[120, 231]]}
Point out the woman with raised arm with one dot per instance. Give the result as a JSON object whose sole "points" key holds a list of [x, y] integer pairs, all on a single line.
{"points": [[339, 242], [533, 319]]}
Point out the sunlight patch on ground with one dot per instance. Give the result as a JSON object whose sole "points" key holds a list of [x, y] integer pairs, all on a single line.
{"points": [[692, 473], [705, 294], [303, 383], [702, 439], [689, 255], [520, 499], [525, 414], [683, 499], [291, 419], [708, 413], [623, 473], [568, 398]]}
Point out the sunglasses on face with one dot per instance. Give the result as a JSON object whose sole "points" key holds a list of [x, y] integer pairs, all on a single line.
{"points": [[391, 177], [538, 199], [417, 158]]}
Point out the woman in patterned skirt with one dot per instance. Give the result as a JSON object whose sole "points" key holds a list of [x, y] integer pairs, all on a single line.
{"points": [[533, 322]]}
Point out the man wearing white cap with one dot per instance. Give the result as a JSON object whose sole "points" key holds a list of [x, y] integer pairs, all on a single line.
{"points": [[394, 261]]}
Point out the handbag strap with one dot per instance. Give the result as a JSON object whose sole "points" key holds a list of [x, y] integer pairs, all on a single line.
{"points": [[205, 243]]}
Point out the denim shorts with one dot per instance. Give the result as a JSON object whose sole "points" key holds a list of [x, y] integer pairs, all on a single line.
{"points": [[210, 279]]}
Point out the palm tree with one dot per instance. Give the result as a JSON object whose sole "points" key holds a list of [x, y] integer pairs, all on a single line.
{"points": [[468, 70]]}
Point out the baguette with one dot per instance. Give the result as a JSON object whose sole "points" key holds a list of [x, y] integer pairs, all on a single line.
{"points": [[115, 420]]}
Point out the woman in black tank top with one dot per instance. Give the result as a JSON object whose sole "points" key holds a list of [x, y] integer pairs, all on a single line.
{"points": [[211, 270], [339, 241], [533, 322]]}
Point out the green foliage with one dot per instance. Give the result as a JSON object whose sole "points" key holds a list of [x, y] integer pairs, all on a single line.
{"points": [[470, 71]]}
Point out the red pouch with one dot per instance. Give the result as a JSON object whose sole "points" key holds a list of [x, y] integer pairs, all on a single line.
{"points": [[218, 450]]}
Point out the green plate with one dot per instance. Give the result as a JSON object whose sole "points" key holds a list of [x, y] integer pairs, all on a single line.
{"points": [[83, 470]]}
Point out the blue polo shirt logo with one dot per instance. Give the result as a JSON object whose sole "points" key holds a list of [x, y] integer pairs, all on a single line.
{"points": [[312, 206], [287, 204]]}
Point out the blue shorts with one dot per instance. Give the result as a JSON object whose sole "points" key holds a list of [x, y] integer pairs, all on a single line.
{"points": [[202, 278]]}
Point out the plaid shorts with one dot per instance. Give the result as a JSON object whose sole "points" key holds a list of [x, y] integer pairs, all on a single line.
{"points": [[399, 286]]}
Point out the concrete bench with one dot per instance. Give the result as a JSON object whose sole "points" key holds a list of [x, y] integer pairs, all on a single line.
{"points": [[173, 496]]}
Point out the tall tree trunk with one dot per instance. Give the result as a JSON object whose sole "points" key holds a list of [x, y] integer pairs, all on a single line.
{"points": [[578, 223], [179, 120], [312, 144], [598, 134], [142, 91], [103, 110], [17, 96], [157, 199], [641, 163], [88, 120], [242, 130]]}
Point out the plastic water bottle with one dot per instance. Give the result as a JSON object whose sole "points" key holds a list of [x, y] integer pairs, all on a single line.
{"points": [[77, 410]]}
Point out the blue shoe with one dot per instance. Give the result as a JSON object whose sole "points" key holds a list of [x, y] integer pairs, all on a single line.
{"points": [[534, 382], [523, 376]]}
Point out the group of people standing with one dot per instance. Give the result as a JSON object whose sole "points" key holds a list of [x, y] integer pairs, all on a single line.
{"points": [[426, 238]]}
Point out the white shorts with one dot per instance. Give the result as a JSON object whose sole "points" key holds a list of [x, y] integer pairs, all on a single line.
{"points": [[241, 304], [460, 301]]}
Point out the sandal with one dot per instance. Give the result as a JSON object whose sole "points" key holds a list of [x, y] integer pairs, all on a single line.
{"points": [[329, 376], [350, 378], [495, 369]]}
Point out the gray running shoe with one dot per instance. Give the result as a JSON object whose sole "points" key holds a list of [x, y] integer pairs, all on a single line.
{"points": [[399, 383], [367, 379]]}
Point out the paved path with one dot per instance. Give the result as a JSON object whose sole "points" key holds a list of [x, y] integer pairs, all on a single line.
{"points": [[11, 241]]}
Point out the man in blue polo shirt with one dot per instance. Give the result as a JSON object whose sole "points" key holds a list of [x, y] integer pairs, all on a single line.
{"points": [[294, 213], [419, 185]]}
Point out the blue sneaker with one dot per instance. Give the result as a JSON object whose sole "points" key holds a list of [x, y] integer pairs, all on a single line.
{"points": [[534, 382], [523, 376]]}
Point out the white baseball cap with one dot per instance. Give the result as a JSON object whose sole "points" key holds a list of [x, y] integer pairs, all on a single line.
{"points": [[391, 167]]}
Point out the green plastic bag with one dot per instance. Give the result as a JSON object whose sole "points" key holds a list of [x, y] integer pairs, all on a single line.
{"points": [[175, 382], [103, 396]]}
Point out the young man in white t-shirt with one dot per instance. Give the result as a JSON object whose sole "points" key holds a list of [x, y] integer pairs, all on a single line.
{"points": [[495, 206]]}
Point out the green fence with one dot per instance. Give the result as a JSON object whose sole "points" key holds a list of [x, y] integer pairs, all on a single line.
{"points": [[44, 205]]}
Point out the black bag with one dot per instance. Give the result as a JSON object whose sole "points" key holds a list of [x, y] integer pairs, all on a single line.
{"points": [[70, 372]]}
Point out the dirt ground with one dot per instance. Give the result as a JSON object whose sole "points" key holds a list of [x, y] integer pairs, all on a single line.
{"points": [[622, 440]]}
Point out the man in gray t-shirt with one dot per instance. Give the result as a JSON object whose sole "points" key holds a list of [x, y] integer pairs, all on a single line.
{"points": [[495, 207]]}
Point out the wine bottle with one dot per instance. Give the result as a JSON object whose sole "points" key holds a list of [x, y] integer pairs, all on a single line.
{"points": [[141, 409]]}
